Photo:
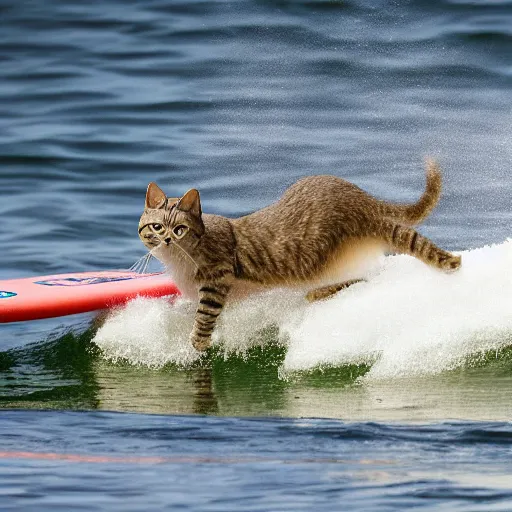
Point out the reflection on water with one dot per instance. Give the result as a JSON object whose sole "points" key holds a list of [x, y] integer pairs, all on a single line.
{"points": [[70, 372], [462, 394]]}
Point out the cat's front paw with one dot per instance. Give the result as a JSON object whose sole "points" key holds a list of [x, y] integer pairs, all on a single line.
{"points": [[200, 343]]}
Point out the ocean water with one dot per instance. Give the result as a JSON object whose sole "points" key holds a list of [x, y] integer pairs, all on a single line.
{"points": [[395, 394]]}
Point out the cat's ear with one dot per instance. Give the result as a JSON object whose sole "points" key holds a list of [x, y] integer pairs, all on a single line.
{"points": [[190, 202], [155, 197]]}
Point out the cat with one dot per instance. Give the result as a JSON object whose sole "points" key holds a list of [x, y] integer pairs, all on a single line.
{"points": [[305, 239]]}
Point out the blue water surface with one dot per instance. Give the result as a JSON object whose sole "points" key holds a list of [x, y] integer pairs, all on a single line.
{"points": [[141, 462]]}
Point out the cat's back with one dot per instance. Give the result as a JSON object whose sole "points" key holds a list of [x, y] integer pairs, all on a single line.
{"points": [[313, 197], [320, 188]]}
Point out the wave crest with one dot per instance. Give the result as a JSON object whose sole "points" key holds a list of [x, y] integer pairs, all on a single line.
{"points": [[407, 320]]}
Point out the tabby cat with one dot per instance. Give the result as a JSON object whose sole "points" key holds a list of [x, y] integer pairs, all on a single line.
{"points": [[303, 240]]}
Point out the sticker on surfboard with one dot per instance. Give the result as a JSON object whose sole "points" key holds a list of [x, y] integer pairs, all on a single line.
{"points": [[7, 295], [82, 281]]}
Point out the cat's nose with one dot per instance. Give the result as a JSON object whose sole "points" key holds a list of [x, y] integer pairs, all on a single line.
{"points": [[168, 240]]}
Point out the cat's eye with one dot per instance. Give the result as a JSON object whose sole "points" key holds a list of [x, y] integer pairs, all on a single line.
{"points": [[157, 227], [180, 230]]}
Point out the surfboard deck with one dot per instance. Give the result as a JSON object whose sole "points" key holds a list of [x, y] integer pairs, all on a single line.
{"points": [[40, 297]]}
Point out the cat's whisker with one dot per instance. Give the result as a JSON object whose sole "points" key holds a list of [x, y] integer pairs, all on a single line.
{"points": [[136, 265], [146, 263], [141, 265], [185, 252]]}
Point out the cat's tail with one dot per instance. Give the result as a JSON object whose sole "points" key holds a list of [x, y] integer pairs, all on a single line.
{"points": [[415, 213]]}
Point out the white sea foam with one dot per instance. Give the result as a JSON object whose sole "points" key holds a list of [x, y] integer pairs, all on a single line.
{"points": [[408, 319]]}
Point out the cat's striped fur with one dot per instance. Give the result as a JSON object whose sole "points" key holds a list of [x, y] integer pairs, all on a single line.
{"points": [[303, 240]]}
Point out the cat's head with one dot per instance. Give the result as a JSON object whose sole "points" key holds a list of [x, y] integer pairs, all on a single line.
{"points": [[170, 220]]}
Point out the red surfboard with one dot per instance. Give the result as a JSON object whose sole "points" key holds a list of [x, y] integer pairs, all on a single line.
{"points": [[67, 294]]}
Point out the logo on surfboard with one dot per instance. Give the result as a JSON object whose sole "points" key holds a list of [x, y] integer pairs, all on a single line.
{"points": [[6, 295], [82, 281]]}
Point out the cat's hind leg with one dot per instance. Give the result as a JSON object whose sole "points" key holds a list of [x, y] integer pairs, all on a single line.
{"points": [[405, 240], [327, 291]]}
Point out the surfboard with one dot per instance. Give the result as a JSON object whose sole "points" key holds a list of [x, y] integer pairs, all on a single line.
{"points": [[67, 294]]}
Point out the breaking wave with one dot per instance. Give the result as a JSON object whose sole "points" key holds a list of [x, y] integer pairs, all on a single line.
{"points": [[407, 320]]}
